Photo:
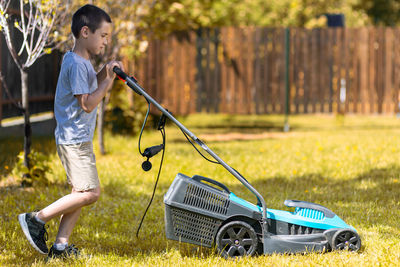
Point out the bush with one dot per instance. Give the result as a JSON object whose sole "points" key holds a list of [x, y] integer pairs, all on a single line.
{"points": [[125, 112], [39, 167]]}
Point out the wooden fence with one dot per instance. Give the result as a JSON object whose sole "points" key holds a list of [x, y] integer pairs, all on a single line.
{"points": [[242, 70]]}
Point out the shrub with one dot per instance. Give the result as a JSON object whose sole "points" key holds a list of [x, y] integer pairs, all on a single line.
{"points": [[125, 112], [39, 167]]}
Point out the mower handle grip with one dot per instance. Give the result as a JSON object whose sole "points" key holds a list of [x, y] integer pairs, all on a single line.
{"points": [[199, 178], [120, 73], [124, 77]]}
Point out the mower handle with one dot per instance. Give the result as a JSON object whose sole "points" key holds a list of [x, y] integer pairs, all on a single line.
{"points": [[132, 83], [123, 76], [199, 178], [120, 73]]}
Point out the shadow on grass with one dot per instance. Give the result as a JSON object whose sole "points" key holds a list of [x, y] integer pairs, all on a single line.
{"points": [[365, 201], [242, 128], [370, 199], [278, 128], [109, 227]]}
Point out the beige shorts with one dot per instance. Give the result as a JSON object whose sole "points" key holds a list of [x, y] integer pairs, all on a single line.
{"points": [[80, 165]]}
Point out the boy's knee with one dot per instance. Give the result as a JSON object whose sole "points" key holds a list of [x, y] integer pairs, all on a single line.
{"points": [[92, 196]]}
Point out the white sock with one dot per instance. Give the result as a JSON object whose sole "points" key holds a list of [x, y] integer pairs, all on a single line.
{"points": [[39, 220], [60, 246]]}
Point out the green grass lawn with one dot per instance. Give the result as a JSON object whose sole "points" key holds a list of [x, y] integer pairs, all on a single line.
{"points": [[350, 166]]}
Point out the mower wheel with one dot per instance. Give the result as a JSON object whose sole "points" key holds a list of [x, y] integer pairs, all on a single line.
{"points": [[346, 239], [236, 239]]}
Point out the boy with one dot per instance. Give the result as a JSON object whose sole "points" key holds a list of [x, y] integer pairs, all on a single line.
{"points": [[79, 91]]}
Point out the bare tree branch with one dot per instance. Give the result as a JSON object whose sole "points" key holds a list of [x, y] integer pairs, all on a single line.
{"points": [[5, 86], [36, 21]]}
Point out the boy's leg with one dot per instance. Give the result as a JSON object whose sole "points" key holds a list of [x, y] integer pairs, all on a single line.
{"points": [[67, 224], [69, 204], [80, 165], [68, 221], [33, 224]]}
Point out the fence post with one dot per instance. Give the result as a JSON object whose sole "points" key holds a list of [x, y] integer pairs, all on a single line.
{"points": [[200, 70], [287, 89]]}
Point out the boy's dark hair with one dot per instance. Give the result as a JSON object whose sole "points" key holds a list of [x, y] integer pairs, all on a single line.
{"points": [[90, 16]]}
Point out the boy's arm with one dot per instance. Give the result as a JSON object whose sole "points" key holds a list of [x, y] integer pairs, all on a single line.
{"points": [[102, 74], [89, 102], [105, 78]]}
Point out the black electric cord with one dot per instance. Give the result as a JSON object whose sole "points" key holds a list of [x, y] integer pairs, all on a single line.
{"points": [[216, 162], [187, 137], [162, 130], [143, 125]]}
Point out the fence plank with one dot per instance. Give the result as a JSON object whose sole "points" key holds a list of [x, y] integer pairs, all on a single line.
{"points": [[380, 68], [346, 71], [372, 47], [264, 80], [339, 66], [256, 98], [240, 100], [363, 69], [306, 67], [354, 85], [249, 69], [396, 69], [388, 77]]}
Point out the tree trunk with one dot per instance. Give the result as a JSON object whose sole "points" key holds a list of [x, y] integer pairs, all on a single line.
{"points": [[27, 123], [100, 126], [100, 122]]}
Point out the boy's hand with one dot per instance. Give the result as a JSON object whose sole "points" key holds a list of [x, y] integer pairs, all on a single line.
{"points": [[110, 66]]}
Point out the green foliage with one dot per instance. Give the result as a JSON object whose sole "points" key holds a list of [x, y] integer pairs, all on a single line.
{"points": [[174, 15], [39, 168], [134, 21], [381, 12]]}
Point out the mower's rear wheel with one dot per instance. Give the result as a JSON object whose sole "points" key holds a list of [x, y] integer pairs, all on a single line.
{"points": [[236, 239], [346, 239]]}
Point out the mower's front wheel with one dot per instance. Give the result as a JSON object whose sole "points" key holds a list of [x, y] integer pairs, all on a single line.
{"points": [[236, 239]]}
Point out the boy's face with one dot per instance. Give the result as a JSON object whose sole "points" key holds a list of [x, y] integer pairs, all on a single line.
{"points": [[96, 42]]}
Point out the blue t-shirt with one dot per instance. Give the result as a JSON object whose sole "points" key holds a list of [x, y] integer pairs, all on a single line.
{"points": [[77, 77]]}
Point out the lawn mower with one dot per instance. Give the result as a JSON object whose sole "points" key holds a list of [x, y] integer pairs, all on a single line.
{"points": [[202, 211]]}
